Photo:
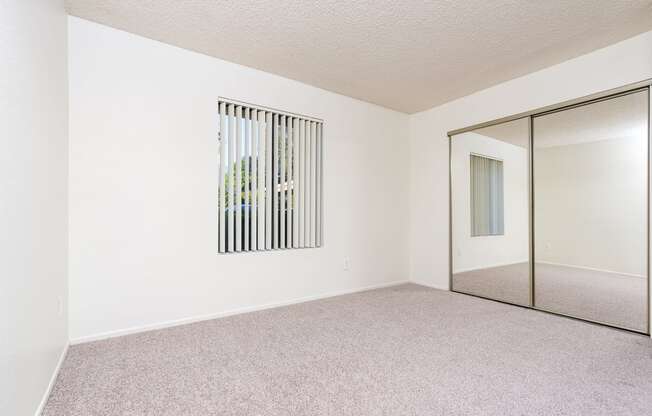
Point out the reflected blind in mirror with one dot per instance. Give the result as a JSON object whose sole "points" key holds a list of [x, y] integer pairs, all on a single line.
{"points": [[487, 212], [270, 179]]}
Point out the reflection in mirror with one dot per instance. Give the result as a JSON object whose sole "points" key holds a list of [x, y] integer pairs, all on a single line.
{"points": [[590, 211], [489, 202]]}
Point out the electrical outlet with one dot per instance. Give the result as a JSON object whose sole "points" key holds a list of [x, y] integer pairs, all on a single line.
{"points": [[347, 264]]}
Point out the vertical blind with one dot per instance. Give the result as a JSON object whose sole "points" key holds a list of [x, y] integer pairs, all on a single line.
{"points": [[487, 202], [270, 179]]}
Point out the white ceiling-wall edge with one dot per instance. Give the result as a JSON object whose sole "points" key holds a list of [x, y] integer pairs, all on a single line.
{"points": [[248, 68], [523, 83]]}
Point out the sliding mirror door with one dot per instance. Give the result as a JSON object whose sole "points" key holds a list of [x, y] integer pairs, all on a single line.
{"points": [[490, 212], [591, 211]]}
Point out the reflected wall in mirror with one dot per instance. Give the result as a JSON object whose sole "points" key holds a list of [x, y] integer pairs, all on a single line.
{"points": [[489, 210], [590, 211]]}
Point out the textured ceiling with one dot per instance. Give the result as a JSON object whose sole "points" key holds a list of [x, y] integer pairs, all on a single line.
{"points": [[406, 55]]}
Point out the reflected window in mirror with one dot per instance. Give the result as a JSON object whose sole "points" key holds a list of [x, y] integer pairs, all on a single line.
{"points": [[487, 200]]}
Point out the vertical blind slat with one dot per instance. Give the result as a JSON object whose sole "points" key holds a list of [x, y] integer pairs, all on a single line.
{"points": [[322, 155], [318, 157], [321, 184], [282, 181], [309, 183], [295, 183], [275, 184], [223, 149], [238, 179], [306, 187], [245, 179], [302, 184], [313, 183], [253, 241], [268, 181], [262, 169], [290, 190], [230, 221]]}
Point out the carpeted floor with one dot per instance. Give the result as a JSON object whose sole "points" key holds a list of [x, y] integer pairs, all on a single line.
{"points": [[611, 298], [405, 350]]}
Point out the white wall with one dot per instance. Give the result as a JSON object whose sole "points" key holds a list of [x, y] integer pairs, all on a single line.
{"points": [[591, 205], [470, 253], [623, 63], [143, 183], [33, 200]]}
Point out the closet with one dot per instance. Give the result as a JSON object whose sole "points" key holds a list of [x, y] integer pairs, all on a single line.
{"points": [[550, 209]]}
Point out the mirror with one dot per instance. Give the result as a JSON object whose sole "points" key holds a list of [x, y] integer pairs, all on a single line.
{"points": [[590, 211], [489, 212]]}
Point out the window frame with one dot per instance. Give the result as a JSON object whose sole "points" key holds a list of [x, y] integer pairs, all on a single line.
{"points": [[285, 208]]}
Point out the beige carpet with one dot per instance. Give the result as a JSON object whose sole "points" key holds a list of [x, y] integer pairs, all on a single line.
{"points": [[406, 350], [611, 298]]}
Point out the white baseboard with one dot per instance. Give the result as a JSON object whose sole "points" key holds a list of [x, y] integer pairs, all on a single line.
{"points": [[430, 285], [637, 276], [489, 266], [53, 379], [193, 319]]}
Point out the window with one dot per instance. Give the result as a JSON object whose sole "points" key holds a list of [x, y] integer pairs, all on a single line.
{"points": [[487, 213], [270, 179]]}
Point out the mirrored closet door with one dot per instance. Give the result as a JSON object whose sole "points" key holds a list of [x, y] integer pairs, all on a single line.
{"points": [[550, 209], [489, 198], [590, 211]]}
